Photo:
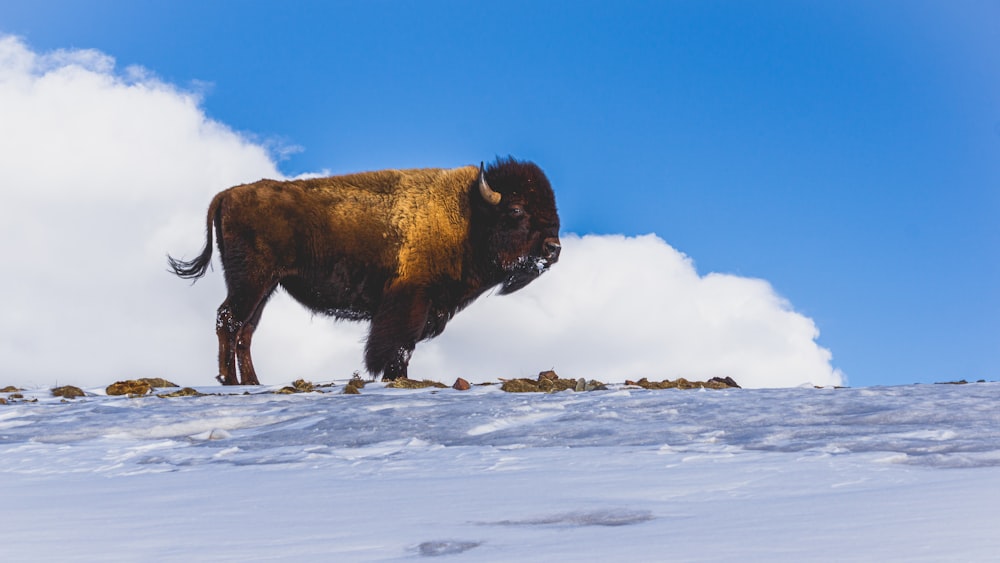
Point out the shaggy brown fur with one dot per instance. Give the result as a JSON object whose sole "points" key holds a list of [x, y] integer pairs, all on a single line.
{"points": [[405, 249]]}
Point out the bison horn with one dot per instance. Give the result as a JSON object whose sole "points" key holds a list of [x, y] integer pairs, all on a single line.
{"points": [[485, 190]]}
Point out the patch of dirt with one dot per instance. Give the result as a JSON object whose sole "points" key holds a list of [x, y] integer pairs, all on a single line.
{"points": [[413, 384], [68, 392], [185, 392], [550, 382], [137, 387], [681, 383], [297, 386], [10, 389], [157, 382], [131, 387], [15, 398]]}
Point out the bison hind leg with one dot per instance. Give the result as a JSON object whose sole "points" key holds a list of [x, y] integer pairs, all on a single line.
{"points": [[236, 322], [248, 375]]}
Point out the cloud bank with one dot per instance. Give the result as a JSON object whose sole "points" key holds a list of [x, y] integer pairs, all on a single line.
{"points": [[617, 308], [103, 172]]}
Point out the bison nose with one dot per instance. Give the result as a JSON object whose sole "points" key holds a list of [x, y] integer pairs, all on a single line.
{"points": [[552, 249]]}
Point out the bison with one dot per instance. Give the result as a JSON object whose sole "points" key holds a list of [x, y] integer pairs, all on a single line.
{"points": [[403, 249]]}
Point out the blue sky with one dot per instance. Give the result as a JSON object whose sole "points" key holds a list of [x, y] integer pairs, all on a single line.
{"points": [[846, 152]]}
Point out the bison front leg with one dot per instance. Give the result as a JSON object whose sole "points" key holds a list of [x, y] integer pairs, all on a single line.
{"points": [[396, 327]]}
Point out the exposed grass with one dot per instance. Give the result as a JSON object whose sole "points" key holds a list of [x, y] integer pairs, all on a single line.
{"points": [[681, 383], [413, 384], [68, 392]]}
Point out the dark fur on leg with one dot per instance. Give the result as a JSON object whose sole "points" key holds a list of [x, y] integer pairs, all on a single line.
{"points": [[395, 330]]}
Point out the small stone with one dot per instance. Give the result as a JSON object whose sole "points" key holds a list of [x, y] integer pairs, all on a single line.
{"points": [[461, 385], [724, 383], [548, 374]]}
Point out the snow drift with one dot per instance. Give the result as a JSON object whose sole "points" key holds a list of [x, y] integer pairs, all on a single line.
{"points": [[880, 474]]}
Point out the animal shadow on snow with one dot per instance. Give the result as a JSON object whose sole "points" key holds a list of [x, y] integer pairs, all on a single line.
{"points": [[446, 547], [601, 517]]}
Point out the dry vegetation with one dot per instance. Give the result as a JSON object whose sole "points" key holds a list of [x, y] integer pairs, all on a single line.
{"points": [[546, 382], [681, 383]]}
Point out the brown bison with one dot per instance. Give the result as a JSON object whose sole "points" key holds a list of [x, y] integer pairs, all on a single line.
{"points": [[404, 249]]}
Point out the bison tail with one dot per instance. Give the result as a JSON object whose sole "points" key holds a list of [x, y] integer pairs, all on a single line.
{"points": [[194, 269]]}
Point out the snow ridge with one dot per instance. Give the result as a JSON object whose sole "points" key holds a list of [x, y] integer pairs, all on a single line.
{"points": [[486, 475]]}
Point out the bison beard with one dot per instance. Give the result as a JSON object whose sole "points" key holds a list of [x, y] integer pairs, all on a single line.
{"points": [[404, 249]]}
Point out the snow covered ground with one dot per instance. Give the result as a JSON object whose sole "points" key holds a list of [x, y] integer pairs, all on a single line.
{"points": [[898, 473]]}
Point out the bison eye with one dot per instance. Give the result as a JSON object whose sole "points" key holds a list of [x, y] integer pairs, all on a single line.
{"points": [[516, 211]]}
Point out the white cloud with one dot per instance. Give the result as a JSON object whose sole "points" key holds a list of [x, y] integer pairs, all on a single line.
{"points": [[617, 308], [104, 173]]}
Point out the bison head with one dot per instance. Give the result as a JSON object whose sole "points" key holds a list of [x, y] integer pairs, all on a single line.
{"points": [[520, 208]]}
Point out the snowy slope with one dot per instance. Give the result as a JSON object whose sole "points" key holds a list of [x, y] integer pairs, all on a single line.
{"points": [[899, 473]]}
